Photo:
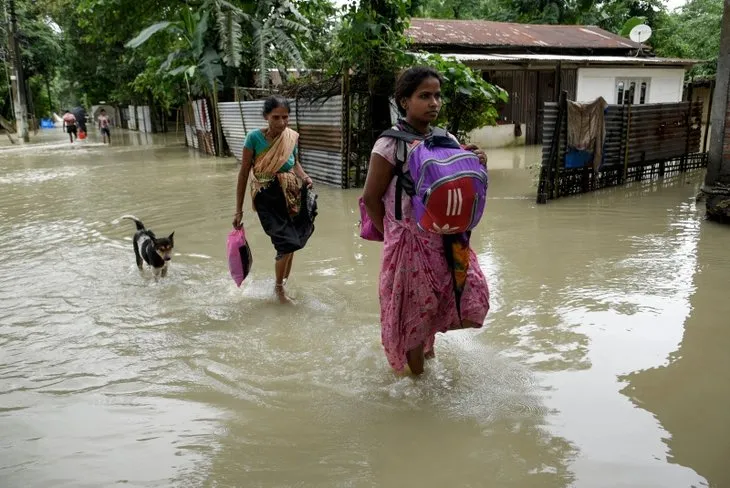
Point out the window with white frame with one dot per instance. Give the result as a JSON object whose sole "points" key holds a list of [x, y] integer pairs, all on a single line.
{"points": [[639, 87]]}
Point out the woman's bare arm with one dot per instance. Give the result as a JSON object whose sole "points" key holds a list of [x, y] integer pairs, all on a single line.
{"points": [[246, 162], [299, 171], [380, 174]]}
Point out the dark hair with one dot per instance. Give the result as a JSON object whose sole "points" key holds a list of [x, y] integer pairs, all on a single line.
{"points": [[409, 81], [275, 101]]}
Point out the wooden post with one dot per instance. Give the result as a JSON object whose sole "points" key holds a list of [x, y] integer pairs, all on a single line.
{"points": [[240, 110], [177, 121], [546, 186], [687, 133], [347, 128], [360, 139], [709, 116], [557, 157], [640, 171], [217, 119], [628, 137]]}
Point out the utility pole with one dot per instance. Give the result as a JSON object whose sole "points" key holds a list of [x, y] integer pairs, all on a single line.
{"points": [[17, 78]]}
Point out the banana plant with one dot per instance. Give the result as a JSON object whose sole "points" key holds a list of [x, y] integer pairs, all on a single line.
{"points": [[198, 63], [270, 25]]}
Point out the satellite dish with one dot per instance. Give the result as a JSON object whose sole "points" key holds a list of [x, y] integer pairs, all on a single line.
{"points": [[640, 33]]}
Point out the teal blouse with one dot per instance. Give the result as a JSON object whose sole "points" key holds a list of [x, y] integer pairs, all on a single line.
{"points": [[257, 143]]}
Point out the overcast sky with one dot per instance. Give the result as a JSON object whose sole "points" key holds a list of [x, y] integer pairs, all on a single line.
{"points": [[672, 4]]}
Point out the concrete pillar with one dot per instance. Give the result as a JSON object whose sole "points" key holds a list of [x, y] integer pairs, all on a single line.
{"points": [[717, 181]]}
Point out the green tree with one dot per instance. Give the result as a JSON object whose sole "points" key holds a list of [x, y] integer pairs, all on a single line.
{"points": [[40, 47], [193, 58], [96, 65], [316, 44], [371, 43], [450, 9], [469, 101], [692, 32]]}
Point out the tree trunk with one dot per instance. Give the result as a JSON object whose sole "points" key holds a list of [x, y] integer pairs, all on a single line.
{"points": [[217, 121], [717, 181], [50, 97], [21, 109]]}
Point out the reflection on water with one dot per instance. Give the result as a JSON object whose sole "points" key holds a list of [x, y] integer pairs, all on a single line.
{"points": [[107, 376]]}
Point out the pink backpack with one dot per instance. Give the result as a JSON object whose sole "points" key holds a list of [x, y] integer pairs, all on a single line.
{"points": [[239, 255]]}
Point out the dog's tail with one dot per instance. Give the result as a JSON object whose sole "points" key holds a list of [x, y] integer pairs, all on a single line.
{"points": [[137, 222]]}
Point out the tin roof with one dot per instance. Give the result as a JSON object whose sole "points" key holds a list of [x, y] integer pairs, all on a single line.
{"points": [[489, 59], [482, 33]]}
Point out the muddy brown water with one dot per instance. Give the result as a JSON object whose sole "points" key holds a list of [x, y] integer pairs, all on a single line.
{"points": [[604, 361]]}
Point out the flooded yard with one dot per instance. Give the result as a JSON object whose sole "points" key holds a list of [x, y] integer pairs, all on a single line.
{"points": [[604, 361]]}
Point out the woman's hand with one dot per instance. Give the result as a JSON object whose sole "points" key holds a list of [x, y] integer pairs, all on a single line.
{"points": [[479, 153], [308, 181], [237, 217]]}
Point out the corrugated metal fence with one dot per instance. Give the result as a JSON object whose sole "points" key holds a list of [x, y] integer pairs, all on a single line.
{"points": [[320, 133], [139, 118], [642, 142], [131, 118], [198, 127]]}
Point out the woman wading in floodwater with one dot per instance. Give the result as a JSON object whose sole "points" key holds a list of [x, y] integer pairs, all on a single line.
{"points": [[280, 188], [417, 297]]}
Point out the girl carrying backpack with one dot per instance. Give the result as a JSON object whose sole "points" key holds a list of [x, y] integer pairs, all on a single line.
{"points": [[423, 195]]}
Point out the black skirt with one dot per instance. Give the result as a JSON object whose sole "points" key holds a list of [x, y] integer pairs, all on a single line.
{"points": [[288, 234]]}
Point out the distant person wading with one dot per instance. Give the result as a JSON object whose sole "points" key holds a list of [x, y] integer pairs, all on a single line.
{"points": [[281, 190]]}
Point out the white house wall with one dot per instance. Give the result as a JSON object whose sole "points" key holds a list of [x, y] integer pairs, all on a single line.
{"points": [[665, 86]]}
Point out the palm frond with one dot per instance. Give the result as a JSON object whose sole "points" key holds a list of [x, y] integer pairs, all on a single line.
{"points": [[288, 8], [165, 66], [210, 67], [178, 70], [151, 30], [286, 44], [229, 35], [201, 29], [261, 42], [291, 25]]}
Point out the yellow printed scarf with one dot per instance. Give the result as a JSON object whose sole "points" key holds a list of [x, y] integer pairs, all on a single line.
{"points": [[267, 165]]}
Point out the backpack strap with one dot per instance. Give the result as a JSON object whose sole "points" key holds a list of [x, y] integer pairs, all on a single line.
{"points": [[440, 138], [403, 139], [401, 135], [401, 153]]}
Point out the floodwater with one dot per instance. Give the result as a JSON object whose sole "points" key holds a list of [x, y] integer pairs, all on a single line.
{"points": [[604, 361]]}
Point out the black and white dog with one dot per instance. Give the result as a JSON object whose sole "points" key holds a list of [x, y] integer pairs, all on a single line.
{"points": [[150, 249]]}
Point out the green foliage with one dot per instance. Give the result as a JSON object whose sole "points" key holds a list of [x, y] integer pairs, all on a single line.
{"points": [[143, 36], [630, 24], [371, 37], [198, 63], [229, 33], [165, 90], [317, 44], [692, 32], [371, 44], [470, 102], [450, 9], [41, 53]]}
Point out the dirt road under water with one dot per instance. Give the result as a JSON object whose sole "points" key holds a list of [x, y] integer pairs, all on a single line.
{"points": [[604, 362]]}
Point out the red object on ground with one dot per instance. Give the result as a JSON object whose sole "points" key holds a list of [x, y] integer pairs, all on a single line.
{"points": [[82, 135]]}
